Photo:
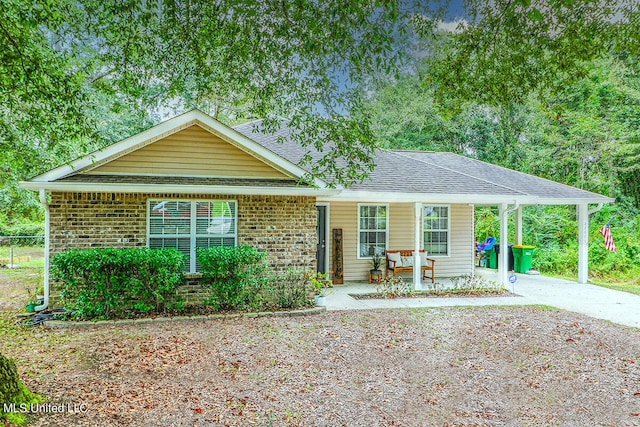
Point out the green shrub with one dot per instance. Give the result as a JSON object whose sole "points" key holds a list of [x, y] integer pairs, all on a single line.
{"points": [[110, 283], [238, 278], [232, 276], [291, 289], [12, 391]]}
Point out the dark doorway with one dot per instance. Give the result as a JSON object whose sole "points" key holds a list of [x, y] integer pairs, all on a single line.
{"points": [[321, 231]]}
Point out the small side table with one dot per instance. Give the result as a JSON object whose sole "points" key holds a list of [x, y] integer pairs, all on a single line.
{"points": [[375, 277]]}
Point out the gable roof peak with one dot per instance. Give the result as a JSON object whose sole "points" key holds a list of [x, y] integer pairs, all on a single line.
{"points": [[169, 127]]}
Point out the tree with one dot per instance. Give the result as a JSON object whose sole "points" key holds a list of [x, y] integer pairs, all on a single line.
{"points": [[301, 64], [508, 49], [77, 75], [53, 107], [12, 391]]}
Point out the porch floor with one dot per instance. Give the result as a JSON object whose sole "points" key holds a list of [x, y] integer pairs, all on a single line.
{"points": [[618, 307]]}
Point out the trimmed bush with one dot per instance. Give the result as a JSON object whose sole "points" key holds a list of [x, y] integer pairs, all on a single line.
{"points": [[12, 391], [232, 276], [107, 283]]}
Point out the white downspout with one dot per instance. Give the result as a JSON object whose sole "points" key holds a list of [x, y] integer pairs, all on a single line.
{"points": [[503, 262], [45, 204]]}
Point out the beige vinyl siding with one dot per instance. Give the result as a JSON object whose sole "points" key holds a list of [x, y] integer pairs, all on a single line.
{"points": [[191, 152], [401, 234]]}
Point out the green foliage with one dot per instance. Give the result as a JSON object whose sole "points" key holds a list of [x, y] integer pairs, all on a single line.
{"points": [[473, 283], [110, 283], [319, 282], [231, 274], [505, 51], [238, 278], [78, 75], [553, 230], [585, 134], [287, 290], [13, 391], [24, 228]]}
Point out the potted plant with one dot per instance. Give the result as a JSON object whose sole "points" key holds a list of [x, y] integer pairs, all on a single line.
{"points": [[376, 262], [319, 284]]}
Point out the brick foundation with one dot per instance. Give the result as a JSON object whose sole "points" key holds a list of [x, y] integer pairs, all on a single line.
{"points": [[283, 226]]}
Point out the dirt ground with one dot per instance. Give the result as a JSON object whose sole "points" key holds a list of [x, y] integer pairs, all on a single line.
{"points": [[430, 367], [485, 366]]}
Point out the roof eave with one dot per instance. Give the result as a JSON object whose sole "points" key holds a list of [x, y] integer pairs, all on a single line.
{"points": [[85, 187], [476, 199]]}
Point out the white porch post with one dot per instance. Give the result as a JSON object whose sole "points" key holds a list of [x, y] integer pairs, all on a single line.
{"points": [[583, 242], [417, 285], [503, 261], [519, 225]]}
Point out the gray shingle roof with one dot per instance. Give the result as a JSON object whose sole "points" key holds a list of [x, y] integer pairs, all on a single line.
{"points": [[437, 173]]}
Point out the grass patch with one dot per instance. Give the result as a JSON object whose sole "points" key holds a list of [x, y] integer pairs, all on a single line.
{"points": [[626, 282], [632, 287], [543, 307]]}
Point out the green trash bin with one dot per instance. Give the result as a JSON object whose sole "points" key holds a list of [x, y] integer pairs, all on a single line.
{"points": [[491, 258], [522, 258]]}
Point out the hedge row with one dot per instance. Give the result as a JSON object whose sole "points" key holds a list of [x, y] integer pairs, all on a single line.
{"points": [[118, 283], [115, 283]]}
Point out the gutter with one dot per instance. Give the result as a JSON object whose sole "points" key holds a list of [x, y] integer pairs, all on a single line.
{"points": [[183, 189], [45, 204]]}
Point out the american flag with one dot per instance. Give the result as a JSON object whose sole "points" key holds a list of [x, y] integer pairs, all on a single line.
{"points": [[608, 239]]}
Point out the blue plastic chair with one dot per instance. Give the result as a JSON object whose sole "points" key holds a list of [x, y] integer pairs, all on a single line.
{"points": [[487, 245]]}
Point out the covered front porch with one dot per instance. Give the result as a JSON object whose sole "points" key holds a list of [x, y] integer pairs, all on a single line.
{"points": [[598, 302]]}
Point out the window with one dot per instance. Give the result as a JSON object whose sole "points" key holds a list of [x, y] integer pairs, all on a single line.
{"points": [[435, 227], [372, 230], [190, 224]]}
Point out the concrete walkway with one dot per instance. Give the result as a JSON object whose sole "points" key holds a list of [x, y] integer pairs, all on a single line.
{"points": [[618, 307]]}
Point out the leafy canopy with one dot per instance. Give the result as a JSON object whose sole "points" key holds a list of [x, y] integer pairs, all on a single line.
{"points": [[504, 50]]}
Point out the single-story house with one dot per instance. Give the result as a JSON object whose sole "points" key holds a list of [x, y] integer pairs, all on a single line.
{"points": [[192, 181]]}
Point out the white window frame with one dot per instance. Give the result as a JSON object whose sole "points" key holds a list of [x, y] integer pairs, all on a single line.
{"points": [[386, 230], [448, 230], [192, 236]]}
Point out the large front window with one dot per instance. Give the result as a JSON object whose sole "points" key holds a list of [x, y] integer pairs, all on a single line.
{"points": [[190, 224], [373, 223], [435, 226]]}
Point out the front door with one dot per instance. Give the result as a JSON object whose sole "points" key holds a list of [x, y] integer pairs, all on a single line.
{"points": [[321, 232]]}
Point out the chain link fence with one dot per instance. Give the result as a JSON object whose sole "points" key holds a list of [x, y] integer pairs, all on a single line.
{"points": [[20, 250]]}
